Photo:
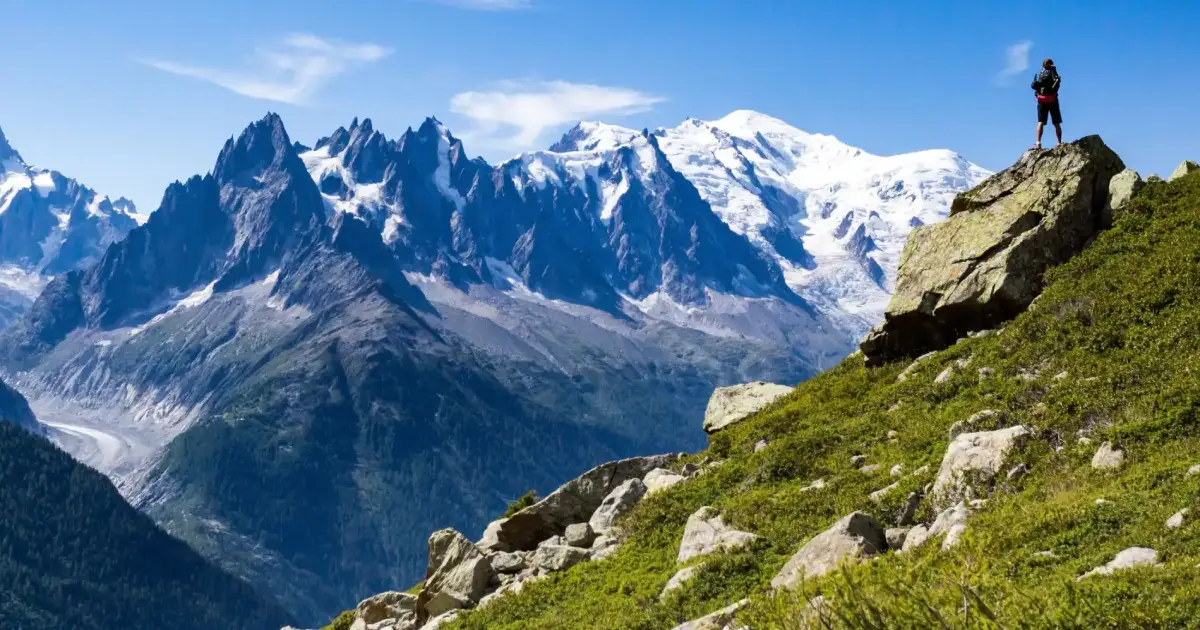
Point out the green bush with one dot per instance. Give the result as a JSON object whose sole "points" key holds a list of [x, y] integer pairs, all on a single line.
{"points": [[525, 500]]}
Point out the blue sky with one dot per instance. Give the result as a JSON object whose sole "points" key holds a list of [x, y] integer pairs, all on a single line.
{"points": [[128, 96]]}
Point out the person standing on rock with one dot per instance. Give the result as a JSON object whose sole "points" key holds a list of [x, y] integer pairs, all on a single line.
{"points": [[1045, 86]]}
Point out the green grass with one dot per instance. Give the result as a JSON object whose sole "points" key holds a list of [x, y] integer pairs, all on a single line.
{"points": [[1122, 320]]}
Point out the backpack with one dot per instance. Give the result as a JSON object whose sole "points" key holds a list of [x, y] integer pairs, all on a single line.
{"points": [[1046, 83]]}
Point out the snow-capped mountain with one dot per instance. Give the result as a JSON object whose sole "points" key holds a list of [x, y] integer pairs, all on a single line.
{"points": [[49, 224]]}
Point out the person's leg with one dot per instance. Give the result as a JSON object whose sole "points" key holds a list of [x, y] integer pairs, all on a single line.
{"points": [[1039, 135], [1058, 132], [1042, 113], [1056, 118]]}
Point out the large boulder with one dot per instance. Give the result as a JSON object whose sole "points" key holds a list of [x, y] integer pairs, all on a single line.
{"points": [[457, 575], [1185, 167], [573, 502], [707, 532], [985, 263], [972, 463], [852, 538], [558, 557], [399, 610], [729, 405], [1122, 187], [618, 502], [660, 479], [720, 620], [950, 526]]}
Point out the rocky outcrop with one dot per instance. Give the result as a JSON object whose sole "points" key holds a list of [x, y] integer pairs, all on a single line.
{"points": [[1108, 457], [852, 538], [660, 479], [1127, 559], [707, 532], [573, 502], [392, 610], [1122, 188], [730, 405], [985, 263], [1185, 167], [677, 581], [617, 503], [950, 526], [972, 463], [721, 620], [457, 576]]}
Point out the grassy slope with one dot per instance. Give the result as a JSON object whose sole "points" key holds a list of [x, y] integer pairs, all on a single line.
{"points": [[1122, 320]]}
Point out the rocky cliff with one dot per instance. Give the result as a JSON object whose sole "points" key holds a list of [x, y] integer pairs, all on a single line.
{"points": [[1039, 473]]}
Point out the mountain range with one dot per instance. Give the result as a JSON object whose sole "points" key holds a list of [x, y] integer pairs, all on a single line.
{"points": [[309, 357]]}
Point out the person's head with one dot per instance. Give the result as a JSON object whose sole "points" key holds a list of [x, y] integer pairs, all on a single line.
{"points": [[1048, 63]]}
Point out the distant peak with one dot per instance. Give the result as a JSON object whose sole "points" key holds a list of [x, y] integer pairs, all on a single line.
{"points": [[125, 206], [7, 152], [261, 146], [593, 136]]}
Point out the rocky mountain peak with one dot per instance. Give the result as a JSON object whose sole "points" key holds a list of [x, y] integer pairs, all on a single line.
{"points": [[8, 153], [263, 148]]}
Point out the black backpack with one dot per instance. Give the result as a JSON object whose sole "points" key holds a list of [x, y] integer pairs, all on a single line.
{"points": [[1047, 82]]}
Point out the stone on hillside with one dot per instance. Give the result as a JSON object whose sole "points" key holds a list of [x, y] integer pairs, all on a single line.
{"points": [[729, 405], [869, 468], [574, 502], [972, 462], [558, 557], [660, 479], [440, 620], [617, 503], [1122, 187], [604, 546], [1108, 457], [986, 373], [1127, 559], [985, 263], [906, 372], [1185, 167], [1194, 470], [908, 511], [1177, 519], [399, 608], [852, 538], [879, 494], [457, 575], [944, 375], [509, 561], [760, 445], [895, 537], [707, 532], [978, 421], [677, 581], [1017, 472], [950, 524], [897, 470], [579, 535], [719, 620], [856, 460], [553, 541]]}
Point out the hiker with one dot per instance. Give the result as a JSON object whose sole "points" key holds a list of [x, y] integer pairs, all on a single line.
{"points": [[1045, 86]]}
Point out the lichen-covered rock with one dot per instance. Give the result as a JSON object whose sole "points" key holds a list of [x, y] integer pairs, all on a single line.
{"points": [[707, 532], [579, 535], [972, 462], [573, 502], [1185, 167], [457, 575], [618, 502], [985, 263], [1127, 559], [950, 525], [509, 561], [729, 405], [850, 539], [558, 557], [1122, 187], [1108, 457], [399, 609]]}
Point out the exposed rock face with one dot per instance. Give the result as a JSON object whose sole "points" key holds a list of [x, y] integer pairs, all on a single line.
{"points": [[558, 557], [950, 524], [1185, 167], [573, 502], [508, 561], [985, 263], [617, 503], [852, 538], [706, 532], [720, 620], [1122, 188], [579, 535], [730, 405], [1127, 559], [660, 479], [399, 610], [972, 462], [457, 576]]}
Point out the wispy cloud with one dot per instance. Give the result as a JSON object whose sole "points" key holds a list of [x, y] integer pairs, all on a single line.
{"points": [[487, 5], [1016, 61], [290, 71], [515, 113]]}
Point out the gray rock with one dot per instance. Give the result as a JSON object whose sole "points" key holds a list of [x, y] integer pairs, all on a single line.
{"points": [[707, 532], [891, 435], [1177, 519], [816, 485], [986, 262], [457, 575], [760, 445], [574, 502], [1194, 470], [869, 468], [440, 620], [944, 375], [579, 535], [907, 371], [850, 539], [399, 608], [879, 494], [950, 524], [1127, 559], [729, 405], [972, 462], [553, 541], [1122, 187], [895, 537], [719, 620], [1017, 472], [558, 557], [897, 470], [857, 460], [509, 561], [1185, 167], [978, 421], [986, 373], [660, 479], [618, 502], [1108, 457], [677, 581]]}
